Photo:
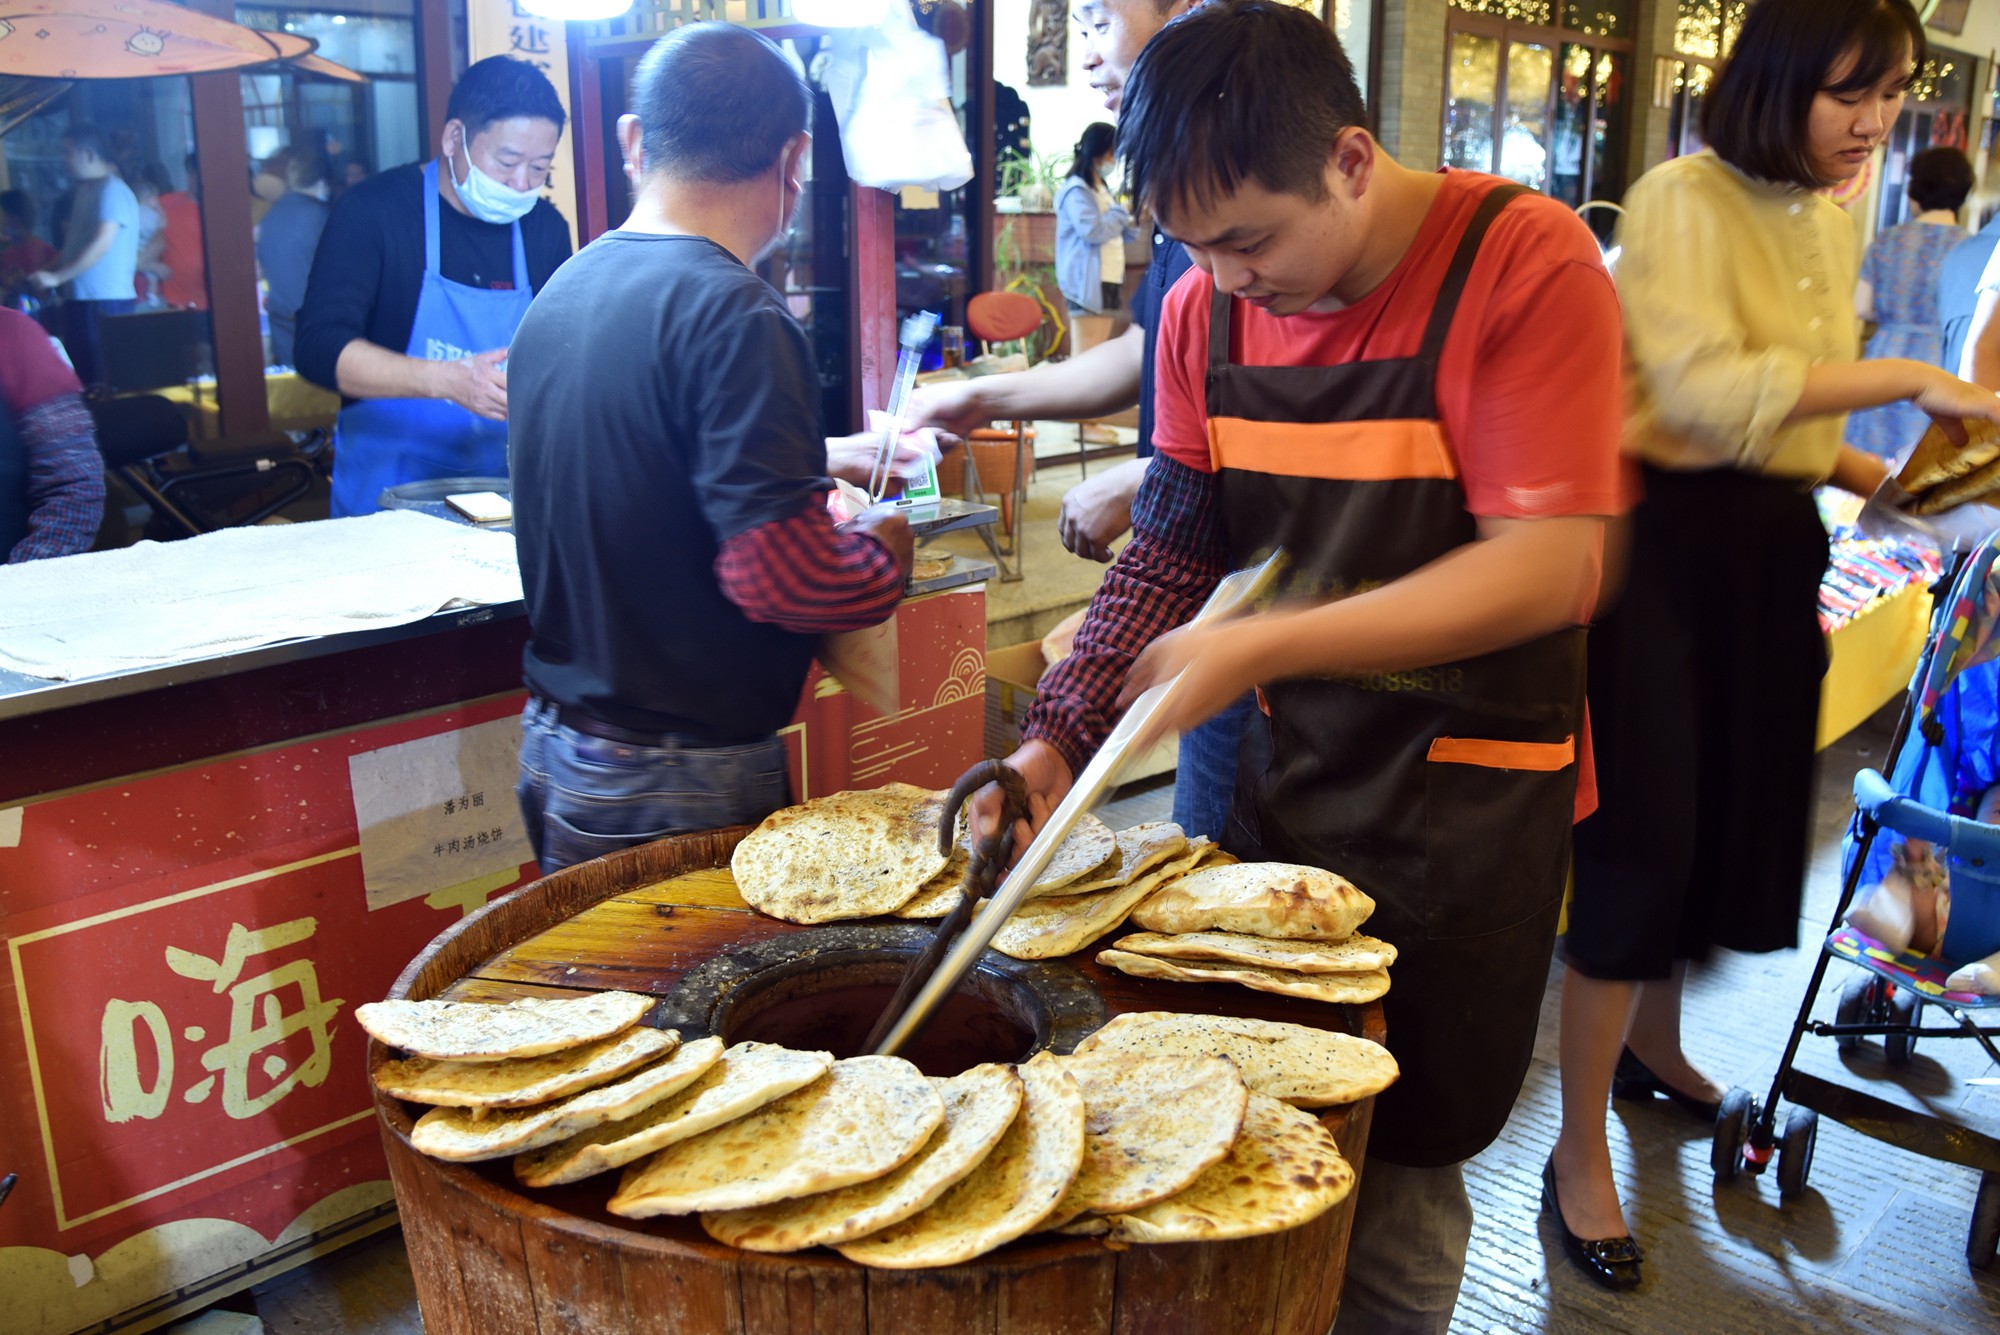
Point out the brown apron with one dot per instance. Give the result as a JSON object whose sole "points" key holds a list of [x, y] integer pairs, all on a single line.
{"points": [[1446, 793]]}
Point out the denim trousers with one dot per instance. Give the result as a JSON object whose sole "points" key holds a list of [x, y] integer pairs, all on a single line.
{"points": [[584, 796], [1205, 775], [1406, 1258]]}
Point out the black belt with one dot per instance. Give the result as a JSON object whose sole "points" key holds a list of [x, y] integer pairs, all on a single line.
{"points": [[578, 721]]}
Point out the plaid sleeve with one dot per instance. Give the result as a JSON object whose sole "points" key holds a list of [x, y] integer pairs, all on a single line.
{"points": [[800, 574], [1166, 572], [65, 480]]}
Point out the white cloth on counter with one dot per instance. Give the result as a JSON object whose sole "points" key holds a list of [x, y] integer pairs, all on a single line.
{"points": [[158, 604]]}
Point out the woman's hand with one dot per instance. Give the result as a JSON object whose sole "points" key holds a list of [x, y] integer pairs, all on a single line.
{"points": [[1950, 401]]}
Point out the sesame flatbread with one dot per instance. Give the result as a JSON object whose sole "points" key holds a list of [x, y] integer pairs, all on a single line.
{"points": [[726, 1085], [1342, 988], [1152, 1125], [861, 1120], [1140, 849], [1278, 899], [850, 855], [521, 1082], [481, 1031], [463, 1136], [1012, 1190], [940, 893], [979, 1106], [1296, 1063], [1356, 954], [1283, 1171], [1064, 924], [1090, 850]]}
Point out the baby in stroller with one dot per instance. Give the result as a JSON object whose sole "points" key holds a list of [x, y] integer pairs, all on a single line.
{"points": [[1907, 904]]}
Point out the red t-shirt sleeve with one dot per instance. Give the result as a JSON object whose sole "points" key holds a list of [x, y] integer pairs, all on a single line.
{"points": [[1180, 373], [30, 371]]}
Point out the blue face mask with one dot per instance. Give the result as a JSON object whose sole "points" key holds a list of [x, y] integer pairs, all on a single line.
{"points": [[487, 199]]}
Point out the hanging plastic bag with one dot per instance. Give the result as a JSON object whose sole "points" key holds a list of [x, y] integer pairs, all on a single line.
{"points": [[891, 92]]}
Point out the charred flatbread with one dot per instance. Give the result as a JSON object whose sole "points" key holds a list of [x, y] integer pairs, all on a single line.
{"points": [[1296, 1063], [1045, 928], [460, 1135], [850, 855], [979, 1106], [861, 1120], [1343, 988], [1283, 1171], [1356, 954], [1152, 1125], [1278, 899], [1140, 849], [521, 1082], [940, 893], [1012, 1191], [482, 1031], [725, 1086]]}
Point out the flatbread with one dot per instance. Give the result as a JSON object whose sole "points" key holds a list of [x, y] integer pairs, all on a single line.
{"points": [[522, 1082], [1343, 988], [462, 1136], [1283, 1171], [1280, 899], [1152, 1125], [1140, 849], [727, 1085], [481, 1031], [862, 1119], [1045, 928], [1354, 955], [979, 1106], [850, 855], [1296, 1063], [940, 893], [1013, 1189], [1976, 485], [1088, 851], [1936, 460]]}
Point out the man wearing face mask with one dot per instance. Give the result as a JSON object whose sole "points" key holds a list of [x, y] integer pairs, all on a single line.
{"points": [[421, 278], [670, 474]]}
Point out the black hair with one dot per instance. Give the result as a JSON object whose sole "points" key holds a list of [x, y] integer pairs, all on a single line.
{"points": [[87, 139], [1235, 91], [1755, 117], [150, 173], [1095, 141], [718, 103], [18, 204], [500, 88], [1940, 178]]}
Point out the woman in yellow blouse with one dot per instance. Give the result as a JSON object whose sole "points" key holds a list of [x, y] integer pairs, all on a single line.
{"points": [[1737, 280]]}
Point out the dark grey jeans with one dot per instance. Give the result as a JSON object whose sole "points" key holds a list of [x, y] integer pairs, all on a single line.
{"points": [[584, 796]]}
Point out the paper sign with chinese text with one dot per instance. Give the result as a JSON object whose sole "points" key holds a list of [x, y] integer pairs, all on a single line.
{"points": [[439, 811], [503, 28]]}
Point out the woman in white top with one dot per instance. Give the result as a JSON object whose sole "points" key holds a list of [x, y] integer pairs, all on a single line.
{"points": [[1737, 280], [1091, 228]]}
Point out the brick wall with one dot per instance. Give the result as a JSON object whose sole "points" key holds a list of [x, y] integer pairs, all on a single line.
{"points": [[1412, 98]]}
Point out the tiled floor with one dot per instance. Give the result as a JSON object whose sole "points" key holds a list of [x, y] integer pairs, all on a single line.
{"points": [[1876, 1244]]}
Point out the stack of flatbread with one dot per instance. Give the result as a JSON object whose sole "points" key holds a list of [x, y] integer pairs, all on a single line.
{"points": [[1271, 926], [1941, 475]]}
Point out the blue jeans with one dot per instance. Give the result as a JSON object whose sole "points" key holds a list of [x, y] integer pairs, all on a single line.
{"points": [[1205, 775], [1406, 1257], [584, 796]]}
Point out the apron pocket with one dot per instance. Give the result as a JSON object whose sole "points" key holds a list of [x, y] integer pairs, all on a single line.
{"points": [[1496, 832]]}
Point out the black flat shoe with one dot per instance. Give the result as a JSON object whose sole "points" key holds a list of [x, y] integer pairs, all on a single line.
{"points": [[1612, 1262], [1633, 1080]]}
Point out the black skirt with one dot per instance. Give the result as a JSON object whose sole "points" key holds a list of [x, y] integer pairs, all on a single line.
{"points": [[1704, 687]]}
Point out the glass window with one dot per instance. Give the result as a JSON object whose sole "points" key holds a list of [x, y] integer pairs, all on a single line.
{"points": [[1541, 13], [1524, 154], [1708, 28], [1472, 92], [1353, 22], [363, 127]]}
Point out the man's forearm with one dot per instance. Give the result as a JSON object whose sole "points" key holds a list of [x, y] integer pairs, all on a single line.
{"points": [[368, 371], [1096, 383], [99, 247]]}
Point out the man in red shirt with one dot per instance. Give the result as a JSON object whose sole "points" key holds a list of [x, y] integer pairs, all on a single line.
{"points": [[1409, 381]]}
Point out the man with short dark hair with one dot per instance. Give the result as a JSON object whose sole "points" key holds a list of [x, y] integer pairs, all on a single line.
{"points": [[287, 238], [100, 254], [670, 475], [1409, 382], [410, 304]]}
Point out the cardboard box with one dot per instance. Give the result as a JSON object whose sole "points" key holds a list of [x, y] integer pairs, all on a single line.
{"points": [[1012, 674]]}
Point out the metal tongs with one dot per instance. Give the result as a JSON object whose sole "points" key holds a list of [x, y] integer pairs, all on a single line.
{"points": [[953, 952]]}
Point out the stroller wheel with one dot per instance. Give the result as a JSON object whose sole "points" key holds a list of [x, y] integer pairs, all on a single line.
{"points": [[1795, 1151], [1855, 1002], [1983, 1242], [1902, 1011], [1732, 1132]]}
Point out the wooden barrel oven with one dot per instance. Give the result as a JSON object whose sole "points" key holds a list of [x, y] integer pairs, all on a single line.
{"points": [[490, 1259]]}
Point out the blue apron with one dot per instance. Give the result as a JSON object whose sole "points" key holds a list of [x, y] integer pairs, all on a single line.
{"points": [[382, 442]]}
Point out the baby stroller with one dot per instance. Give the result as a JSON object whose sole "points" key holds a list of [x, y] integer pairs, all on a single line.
{"points": [[1941, 759]]}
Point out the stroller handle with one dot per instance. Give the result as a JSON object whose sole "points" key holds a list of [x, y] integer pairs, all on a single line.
{"points": [[1969, 840]]}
